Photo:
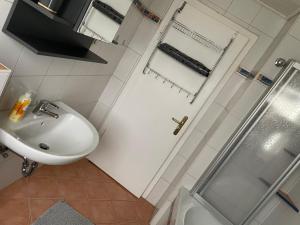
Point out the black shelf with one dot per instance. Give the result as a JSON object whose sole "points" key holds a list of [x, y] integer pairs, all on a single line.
{"points": [[47, 34], [48, 48], [47, 13]]}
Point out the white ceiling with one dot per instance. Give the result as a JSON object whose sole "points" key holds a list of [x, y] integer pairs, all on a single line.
{"points": [[286, 8]]}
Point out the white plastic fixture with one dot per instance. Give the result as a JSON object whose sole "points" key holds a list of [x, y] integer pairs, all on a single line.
{"points": [[69, 138], [285, 8], [4, 77]]}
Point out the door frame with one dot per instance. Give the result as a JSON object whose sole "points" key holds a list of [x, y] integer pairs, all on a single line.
{"points": [[208, 100]]}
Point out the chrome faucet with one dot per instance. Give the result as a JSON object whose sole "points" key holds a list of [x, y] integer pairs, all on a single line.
{"points": [[44, 107]]}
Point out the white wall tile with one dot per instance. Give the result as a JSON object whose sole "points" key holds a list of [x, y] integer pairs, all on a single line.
{"points": [[52, 88], [245, 10], [191, 143], [287, 49], [111, 91], [85, 109], [295, 29], [110, 52], [31, 64], [248, 100], [126, 65], [162, 216], [223, 133], [9, 171], [173, 169], [18, 86], [268, 22], [81, 68], [11, 50], [60, 66], [208, 119], [214, 6], [236, 20], [158, 191], [160, 7], [231, 87], [79, 90], [129, 26], [188, 181], [224, 4], [254, 222], [202, 161], [143, 36], [98, 114], [257, 51]]}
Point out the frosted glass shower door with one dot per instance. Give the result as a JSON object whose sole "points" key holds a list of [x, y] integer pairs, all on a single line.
{"points": [[262, 154]]}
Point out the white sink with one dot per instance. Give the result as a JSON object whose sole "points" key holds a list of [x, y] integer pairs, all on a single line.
{"points": [[68, 138]]}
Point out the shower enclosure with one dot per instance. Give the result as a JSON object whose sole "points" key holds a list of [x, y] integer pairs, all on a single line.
{"points": [[260, 156]]}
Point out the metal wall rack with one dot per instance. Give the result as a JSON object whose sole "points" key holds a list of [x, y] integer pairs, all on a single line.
{"points": [[199, 39]]}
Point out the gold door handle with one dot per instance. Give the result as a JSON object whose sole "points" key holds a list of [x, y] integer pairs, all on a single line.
{"points": [[180, 124]]}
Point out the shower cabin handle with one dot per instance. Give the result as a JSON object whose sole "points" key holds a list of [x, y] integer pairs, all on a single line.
{"points": [[180, 124]]}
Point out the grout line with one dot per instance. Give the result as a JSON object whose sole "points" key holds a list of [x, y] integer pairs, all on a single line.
{"points": [[29, 210], [261, 7], [16, 63]]}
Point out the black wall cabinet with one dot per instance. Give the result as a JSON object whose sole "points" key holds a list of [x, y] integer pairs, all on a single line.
{"points": [[48, 34]]}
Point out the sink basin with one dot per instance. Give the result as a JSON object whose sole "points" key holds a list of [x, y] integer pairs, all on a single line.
{"points": [[48, 140]]}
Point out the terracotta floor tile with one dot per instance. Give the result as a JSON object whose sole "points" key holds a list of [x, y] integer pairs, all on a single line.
{"points": [[96, 190], [70, 188], [39, 206], [117, 192], [129, 223], [18, 189], [85, 187], [14, 212], [126, 211], [90, 171], [43, 187], [69, 171], [46, 171], [144, 210], [102, 212]]}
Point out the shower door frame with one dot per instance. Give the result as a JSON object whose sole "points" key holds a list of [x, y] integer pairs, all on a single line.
{"points": [[231, 146]]}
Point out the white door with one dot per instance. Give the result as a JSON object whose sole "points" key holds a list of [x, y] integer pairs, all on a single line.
{"points": [[138, 133]]}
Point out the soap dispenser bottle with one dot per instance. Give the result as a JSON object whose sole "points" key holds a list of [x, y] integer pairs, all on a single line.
{"points": [[19, 110]]}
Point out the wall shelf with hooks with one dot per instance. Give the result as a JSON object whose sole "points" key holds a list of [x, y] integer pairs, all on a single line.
{"points": [[184, 59]]}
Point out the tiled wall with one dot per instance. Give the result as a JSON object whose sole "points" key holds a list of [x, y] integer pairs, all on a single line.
{"points": [[229, 108], [79, 84], [226, 116]]}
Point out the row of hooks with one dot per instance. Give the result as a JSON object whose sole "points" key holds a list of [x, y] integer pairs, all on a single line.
{"points": [[156, 75]]}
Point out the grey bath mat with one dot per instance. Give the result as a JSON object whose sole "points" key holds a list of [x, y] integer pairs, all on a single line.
{"points": [[62, 214]]}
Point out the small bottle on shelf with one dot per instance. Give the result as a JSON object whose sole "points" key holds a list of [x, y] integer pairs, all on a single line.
{"points": [[19, 109]]}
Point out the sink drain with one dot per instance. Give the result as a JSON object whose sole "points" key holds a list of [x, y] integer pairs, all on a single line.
{"points": [[44, 146]]}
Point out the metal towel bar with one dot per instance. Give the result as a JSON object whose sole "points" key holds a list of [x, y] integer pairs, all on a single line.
{"points": [[196, 36]]}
